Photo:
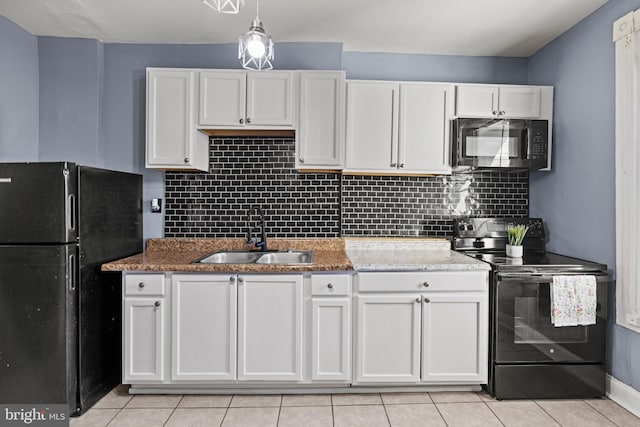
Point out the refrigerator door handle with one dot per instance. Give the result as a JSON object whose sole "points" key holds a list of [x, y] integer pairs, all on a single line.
{"points": [[72, 272], [71, 212]]}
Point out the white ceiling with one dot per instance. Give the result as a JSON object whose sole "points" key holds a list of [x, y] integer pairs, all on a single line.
{"points": [[447, 27]]}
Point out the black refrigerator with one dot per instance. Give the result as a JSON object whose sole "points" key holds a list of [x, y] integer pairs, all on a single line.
{"points": [[60, 316]]}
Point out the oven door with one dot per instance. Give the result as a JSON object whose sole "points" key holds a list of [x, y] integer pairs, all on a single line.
{"points": [[524, 332]]}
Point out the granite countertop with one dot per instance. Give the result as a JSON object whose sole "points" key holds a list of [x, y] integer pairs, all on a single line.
{"points": [[408, 255], [177, 254], [330, 254]]}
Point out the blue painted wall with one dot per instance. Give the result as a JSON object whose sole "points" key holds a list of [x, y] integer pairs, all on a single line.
{"points": [[577, 198], [18, 93], [71, 74]]}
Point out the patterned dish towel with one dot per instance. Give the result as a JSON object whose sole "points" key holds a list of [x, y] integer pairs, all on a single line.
{"points": [[573, 300]]}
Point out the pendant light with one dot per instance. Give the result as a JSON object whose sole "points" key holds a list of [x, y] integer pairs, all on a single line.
{"points": [[255, 48], [225, 6]]}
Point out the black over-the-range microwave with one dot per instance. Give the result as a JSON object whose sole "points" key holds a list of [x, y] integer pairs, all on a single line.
{"points": [[499, 143]]}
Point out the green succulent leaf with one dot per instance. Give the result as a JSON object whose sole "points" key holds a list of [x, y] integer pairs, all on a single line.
{"points": [[516, 234]]}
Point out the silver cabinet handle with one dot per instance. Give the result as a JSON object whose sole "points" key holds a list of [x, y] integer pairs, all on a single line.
{"points": [[248, 120], [502, 113], [401, 165], [330, 286], [240, 280], [232, 279], [418, 299], [393, 165], [186, 160], [427, 300], [425, 284], [494, 112], [157, 304], [301, 159], [141, 285], [241, 121]]}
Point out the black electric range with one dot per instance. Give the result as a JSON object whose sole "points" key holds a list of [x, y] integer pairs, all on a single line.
{"points": [[529, 357]]}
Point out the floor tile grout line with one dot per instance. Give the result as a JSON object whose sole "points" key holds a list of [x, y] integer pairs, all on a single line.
{"points": [[333, 414], [546, 412], [494, 414], [603, 414], [114, 417], [173, 411], [439, 413]]}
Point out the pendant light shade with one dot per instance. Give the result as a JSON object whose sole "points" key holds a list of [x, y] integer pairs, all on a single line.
{"points": [[255, 48], [224, 6]]}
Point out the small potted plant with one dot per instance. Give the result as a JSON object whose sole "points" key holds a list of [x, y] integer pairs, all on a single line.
{"points": [[515, 234]]}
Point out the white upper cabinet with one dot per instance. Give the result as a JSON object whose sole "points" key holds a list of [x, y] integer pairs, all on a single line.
{"points": [[425, 110], [320, 132], [398, 127], [173, 141], [239, 99], [498, 101]]}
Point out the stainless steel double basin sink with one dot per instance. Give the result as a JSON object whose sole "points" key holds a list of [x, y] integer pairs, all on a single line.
{"points": [[256, 257]]}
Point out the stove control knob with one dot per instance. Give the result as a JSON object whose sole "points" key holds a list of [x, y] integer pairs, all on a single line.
{"points": [[470, 227], [462, 226]]}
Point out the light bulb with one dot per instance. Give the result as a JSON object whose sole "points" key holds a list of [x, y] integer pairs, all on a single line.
{"points": [[256, 47]]}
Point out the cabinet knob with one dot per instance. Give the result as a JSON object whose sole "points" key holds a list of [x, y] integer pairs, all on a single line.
{"points": [[241, 121], [248, 120], [232, 279], [427, 300], [495, 112], [401, 165], [186, 160], [240, 280], [418, 299], [157, 304], [330, 286], [393, 165], [141, 285], [425, 284], [502, 113], [301, 159]]}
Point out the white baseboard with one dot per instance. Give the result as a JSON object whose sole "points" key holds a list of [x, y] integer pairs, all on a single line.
{"points": [[623, 395]]}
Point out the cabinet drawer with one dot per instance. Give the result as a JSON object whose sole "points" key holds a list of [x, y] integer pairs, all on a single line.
{"points": [[144, 284], [330, 284], [417, 282]]}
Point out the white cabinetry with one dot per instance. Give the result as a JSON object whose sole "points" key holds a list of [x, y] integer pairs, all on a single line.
{"points": [[422, 327], [239, 99], [144, 314], [320, 133], [172, 140], [203, 338], [398, 127], [498, 101], [270, 327], [330, 327]]}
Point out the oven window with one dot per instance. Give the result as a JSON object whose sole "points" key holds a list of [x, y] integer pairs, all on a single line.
{"points": [[532, 320]]}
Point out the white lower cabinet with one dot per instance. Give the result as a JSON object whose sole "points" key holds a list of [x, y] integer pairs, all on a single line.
{"points": [[144, 327], [270, 327], [330, 328], [203, 333], [422, 327]]}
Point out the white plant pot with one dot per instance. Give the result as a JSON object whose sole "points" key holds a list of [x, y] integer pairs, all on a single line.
{"points": [[514, 251]]}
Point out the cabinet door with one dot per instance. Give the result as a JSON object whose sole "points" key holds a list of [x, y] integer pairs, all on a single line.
{"points": [[144, 328], [203, 327], [388, 338], [372, 126], [520, 102], [331, 340], [476, 101], [454, 338], [424, 128], [222, 98], [320, 133], [173, 141], [270, 98], [270, 327]]}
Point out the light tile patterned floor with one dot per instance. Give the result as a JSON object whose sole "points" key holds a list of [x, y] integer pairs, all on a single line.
{"points": [[446, 409]]}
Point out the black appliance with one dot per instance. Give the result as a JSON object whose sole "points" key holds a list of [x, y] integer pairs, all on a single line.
{"points": [[499, 143], [530, 358], [60, 321]]}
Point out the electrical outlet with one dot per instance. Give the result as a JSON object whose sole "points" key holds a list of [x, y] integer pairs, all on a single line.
{"points": [[156, 205]]}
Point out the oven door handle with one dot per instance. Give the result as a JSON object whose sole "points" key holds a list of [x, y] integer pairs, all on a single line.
{"points": [[545, 278]]}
